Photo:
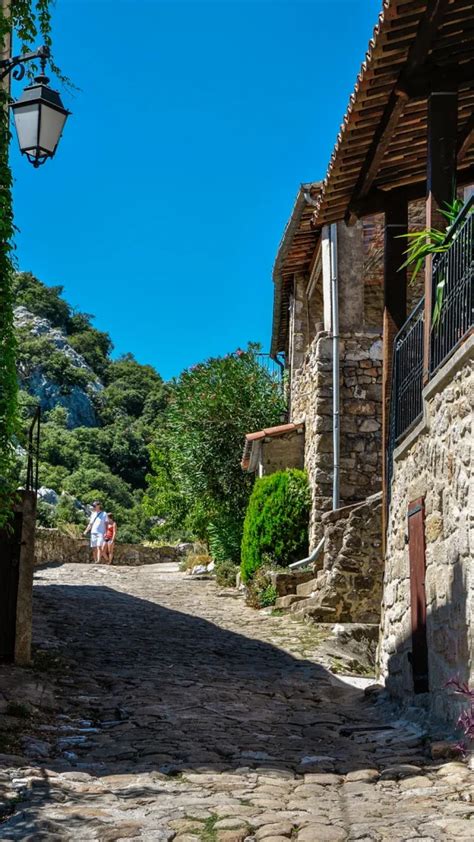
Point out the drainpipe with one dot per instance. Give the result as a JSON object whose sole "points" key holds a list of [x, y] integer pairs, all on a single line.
{"points": [[332, 234], [335, 364]]}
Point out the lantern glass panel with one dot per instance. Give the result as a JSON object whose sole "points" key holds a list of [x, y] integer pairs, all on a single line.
{"points": [[26, 121], [51, 126]]}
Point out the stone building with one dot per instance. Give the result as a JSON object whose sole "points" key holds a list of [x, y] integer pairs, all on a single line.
{"points": [[334, 394], [406, 145], [308, 266], [345, 313]]}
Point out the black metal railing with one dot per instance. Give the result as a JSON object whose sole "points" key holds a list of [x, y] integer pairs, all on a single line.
{"points": [[406, 403], [408, 371], [33, 446], [453, 272]]}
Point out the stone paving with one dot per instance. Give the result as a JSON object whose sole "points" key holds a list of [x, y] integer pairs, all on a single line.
{"points": [[165, 709]]}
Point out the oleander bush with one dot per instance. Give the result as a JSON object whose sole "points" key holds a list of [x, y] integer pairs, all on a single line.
{"points": [[196, 482], [276, 523]]}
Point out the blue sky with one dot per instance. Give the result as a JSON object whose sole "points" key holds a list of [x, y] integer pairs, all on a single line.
{"points": [[195, 124]]}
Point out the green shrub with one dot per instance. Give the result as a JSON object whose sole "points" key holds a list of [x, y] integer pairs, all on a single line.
{"points": [[276, 523], [226, 573]]}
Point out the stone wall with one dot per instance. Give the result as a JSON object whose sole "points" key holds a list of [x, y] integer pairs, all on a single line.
{"points": [[434, 462], [52, 546], [361, 420], [348, 589], [280, 452], [374, 233]]}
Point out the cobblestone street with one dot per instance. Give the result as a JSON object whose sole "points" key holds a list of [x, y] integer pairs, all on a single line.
{"points": [[164, 708]]}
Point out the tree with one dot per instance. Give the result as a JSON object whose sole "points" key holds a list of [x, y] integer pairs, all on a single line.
{"points": [[196, 480], [129, 387], [44, 301]]}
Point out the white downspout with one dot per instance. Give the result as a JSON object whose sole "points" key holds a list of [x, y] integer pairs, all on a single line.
{"points": [[333, 273], [335, 365]]}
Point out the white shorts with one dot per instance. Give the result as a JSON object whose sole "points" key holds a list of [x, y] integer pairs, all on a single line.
{"points": [[97, 539]]}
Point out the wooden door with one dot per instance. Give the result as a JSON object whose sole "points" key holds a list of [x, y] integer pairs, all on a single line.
{"points": [[416, 548], [10, 545]]}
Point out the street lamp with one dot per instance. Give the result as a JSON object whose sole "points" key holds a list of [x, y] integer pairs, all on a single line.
{"points": [[39, 114]]}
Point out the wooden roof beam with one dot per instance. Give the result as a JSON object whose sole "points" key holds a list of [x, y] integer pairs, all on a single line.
{"points": [[420, 86], [417, 55], [376, 200]]}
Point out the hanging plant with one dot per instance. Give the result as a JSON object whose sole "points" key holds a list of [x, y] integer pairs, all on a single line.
{"points": [[431, 241]]}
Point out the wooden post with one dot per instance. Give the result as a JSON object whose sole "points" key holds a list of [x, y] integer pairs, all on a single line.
{"points": [[394, 314], [24, 605], [440, 183]]}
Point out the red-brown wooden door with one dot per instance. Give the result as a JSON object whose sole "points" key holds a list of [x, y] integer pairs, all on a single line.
{"points": [[417, 555]]}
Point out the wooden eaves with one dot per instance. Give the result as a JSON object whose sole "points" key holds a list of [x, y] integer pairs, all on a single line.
{"points": [[294, 256], [382, 146]]}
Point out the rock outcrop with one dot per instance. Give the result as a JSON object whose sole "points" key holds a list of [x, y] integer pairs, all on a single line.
{"points": [[78, 400]]}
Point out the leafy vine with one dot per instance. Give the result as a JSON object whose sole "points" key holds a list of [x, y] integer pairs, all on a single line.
{"points": [[26, 21]]}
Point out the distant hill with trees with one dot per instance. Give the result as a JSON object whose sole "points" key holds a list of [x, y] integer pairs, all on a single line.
{"points": [[163, 457], [99, 414]]}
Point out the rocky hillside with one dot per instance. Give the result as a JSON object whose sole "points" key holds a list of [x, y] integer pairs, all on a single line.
{"points": [[99, 413], [51, 371]]}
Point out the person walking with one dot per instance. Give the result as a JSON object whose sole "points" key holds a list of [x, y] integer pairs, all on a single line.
{"points": [[110, 538], [97, 527]]}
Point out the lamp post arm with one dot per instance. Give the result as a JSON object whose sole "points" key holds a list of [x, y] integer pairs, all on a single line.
{"points": [[16, 64]]}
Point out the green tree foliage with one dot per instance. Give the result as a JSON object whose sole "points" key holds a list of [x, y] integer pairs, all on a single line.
{"points": [[130, 386], [44, 301], [109, 461], [8, 383], [27, 20], [197, 481], [275, 530], [47, 303]]}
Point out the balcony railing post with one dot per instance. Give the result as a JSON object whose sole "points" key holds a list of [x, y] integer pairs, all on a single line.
{"points": [[440, 181], [394, 315]]}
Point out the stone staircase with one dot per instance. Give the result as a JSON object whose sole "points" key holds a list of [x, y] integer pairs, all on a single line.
{"points": [[349, 587]]}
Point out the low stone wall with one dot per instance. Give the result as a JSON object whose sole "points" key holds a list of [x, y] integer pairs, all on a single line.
{"points": [[360, 420], [434, 462], [51, 546], [348, 589]]}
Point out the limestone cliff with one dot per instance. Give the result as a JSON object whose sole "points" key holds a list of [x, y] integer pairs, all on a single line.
{"points": [[53, 372]]}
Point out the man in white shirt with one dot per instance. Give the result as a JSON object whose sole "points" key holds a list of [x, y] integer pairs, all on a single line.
{"points": [[97, 526]]}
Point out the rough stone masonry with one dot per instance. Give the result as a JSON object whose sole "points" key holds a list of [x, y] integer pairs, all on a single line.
{"points": [[361, 420], [435, 463]]}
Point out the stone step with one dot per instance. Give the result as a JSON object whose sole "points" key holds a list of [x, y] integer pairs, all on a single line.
{"points": [[288, 600], [311, 608], [287, 582], [307, 588]]}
